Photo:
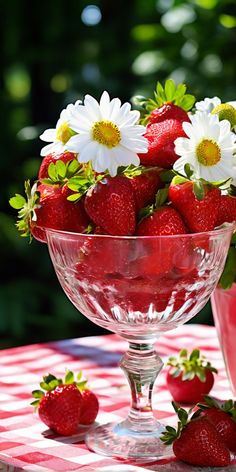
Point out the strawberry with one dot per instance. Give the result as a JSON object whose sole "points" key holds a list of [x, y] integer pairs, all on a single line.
{"points": [[110, 204], [66, 404], [60, 407], [145, 186], [164, 221], [90, 406], [169, 102], [158, 257], [189, 378], [200, 214], [168, 111], [52, 158], [196, 441], [222, 416], [161, 143], [56, 212], [227, 210]]}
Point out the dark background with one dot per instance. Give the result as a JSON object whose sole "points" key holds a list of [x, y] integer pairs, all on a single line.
{"points": [[52, 53]]}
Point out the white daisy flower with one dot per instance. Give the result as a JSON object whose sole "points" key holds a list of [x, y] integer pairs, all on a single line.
{"points": [[208, 104], [208, 148], [59, 136], [108, 134]]}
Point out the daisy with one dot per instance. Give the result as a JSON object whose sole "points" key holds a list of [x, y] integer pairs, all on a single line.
{"points": [[208, 104], [59, 136], [108, 134], [208, 148]]}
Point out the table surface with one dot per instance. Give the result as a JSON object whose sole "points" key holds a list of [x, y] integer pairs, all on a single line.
{"points": [[26, 443]]}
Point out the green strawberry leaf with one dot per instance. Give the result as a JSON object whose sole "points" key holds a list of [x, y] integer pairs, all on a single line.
{"points": [[198, 190], [228, 276], [188, 171], [72, 168], [168, 94], [190, 366], [17, 202], [61, 169], [38, 394], [75, 197], [26, 208], [161, 196], [167, 176], [170, 90], [69, 377], [187, 102]]}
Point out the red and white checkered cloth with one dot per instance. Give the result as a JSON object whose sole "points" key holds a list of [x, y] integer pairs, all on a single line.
{"points": [[26, 444]]}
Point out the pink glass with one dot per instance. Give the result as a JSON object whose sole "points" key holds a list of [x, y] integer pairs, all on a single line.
{"points": [[224, 311], [138, 287]]}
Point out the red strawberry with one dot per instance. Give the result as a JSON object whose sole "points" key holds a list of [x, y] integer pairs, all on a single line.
{"points": [[110, 204], [223, 418], [52, 158], [56, 212], [189, 378], [227, 210], [197, 442], [89, 408], [60, 407], [158, 257], [161, 148], [198, 215], [145, 187], [163, 222], [168, 111]]}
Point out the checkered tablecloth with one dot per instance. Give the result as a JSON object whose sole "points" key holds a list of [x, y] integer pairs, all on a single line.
{"points": [[26, 444]]}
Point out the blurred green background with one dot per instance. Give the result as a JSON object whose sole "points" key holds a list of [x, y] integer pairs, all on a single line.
{"points": [[52, 53]]}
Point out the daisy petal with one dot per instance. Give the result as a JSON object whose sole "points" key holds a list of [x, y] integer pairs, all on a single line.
{"points": [[48, 135]]}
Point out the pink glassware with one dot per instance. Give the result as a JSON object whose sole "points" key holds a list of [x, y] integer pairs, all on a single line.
{"points": [[138, 287], [224, 311]]}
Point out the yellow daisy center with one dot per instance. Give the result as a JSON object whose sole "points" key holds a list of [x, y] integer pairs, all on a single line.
{"points": [[208, 152], [64, 133], [107, 133], [225, 111]]}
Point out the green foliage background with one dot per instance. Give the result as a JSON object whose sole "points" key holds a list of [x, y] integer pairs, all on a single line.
{"points": [[50, 57]]}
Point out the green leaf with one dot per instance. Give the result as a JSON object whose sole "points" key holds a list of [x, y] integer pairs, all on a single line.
{"points": [[170, 89], [179, 179], [228, 276], [198, 190], [188, 171], [45, 386], [52, 172], [72, 168], [145, 212], [233, 240], [195, 354], [60, 169], [54, 383], [161, 196], [187, 102], [183, 353], [75, 197], [17, 202], [49, 377], [79, 375], [167, 175], [69, 377], [47, 181], [37, 394], [35, 403], [180, 91]]}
